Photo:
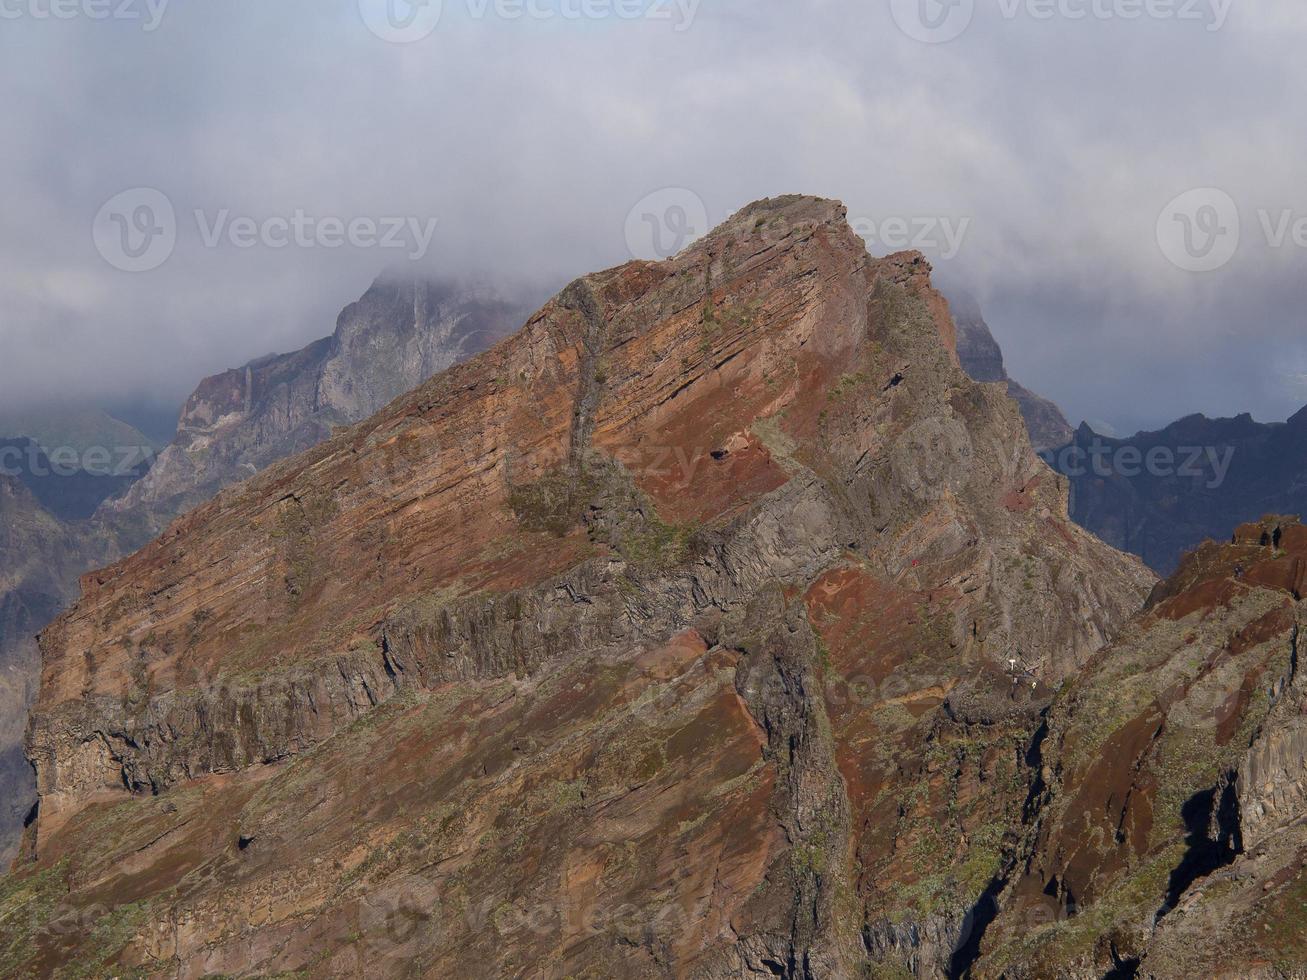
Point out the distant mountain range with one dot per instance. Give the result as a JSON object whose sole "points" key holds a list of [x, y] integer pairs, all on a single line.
{"points": [[1160, 494], [72, 485], [1155, 494], [81, 430]]}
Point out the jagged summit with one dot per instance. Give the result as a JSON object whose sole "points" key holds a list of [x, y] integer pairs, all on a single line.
{"points": [[707, 563]]}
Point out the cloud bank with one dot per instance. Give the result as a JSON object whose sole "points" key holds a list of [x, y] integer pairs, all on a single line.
{"points": [[1053, 133]]}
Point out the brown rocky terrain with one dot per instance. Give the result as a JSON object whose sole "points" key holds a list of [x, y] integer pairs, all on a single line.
{"points": [[1167, 835], [982, 358], [700, 628], [400, 333]]}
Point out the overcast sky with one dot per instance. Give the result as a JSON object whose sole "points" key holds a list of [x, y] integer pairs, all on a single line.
{"points": [[1047, 145]]}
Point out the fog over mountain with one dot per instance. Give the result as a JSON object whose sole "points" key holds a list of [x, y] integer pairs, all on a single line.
{"points": [[1053, 146]]}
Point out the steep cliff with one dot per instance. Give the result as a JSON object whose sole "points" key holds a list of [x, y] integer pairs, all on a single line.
{"points": [[1166, 837], [697, 629]]}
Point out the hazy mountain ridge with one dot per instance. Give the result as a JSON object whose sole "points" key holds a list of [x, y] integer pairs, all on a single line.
{"points": [[1206, 477], [401, 332]]}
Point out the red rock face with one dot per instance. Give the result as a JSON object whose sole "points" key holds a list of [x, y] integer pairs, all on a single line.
{"points": [[658, 636]]}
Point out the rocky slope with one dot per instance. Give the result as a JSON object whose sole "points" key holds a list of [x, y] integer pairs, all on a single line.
{"points": [[1205, 477], [982, 358], [39, 565], [400, 333], [1168, 833], [697, 629]]}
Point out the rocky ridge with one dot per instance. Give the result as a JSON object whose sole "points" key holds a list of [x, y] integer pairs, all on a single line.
{"points": [[436, 693]]}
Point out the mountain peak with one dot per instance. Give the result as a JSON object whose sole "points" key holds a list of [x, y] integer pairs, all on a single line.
{"points": [[743, 498]]}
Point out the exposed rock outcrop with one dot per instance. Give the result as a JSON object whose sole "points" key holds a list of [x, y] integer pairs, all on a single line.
{"points": [[1167, 838], [654, 641]]}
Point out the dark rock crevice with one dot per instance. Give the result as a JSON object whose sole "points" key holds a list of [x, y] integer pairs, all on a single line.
{"points": [[1214, 839]]}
